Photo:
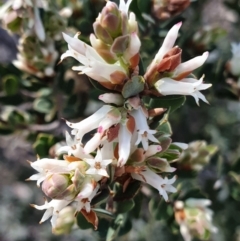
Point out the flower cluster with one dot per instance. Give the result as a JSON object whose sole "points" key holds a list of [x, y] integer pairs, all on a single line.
{"points": [[194, 218], [37, 52], [124, 147]]}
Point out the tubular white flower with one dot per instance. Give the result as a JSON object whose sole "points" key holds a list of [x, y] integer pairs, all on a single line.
{"points": [[84, 202], [93, 64], [87, 188], [188, 66], [46, 167], [168, 42], [188, 86], [93, 143], [144, 133], [52, 209], [72, 148], [133, 47], [124, 6], [89, 123], [112, 117], [107, 150], [156, 181], [124, 145], [152, 150], [98, 165], [110, 98]]}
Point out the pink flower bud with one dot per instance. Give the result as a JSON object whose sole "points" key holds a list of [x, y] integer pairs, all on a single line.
{"points": [[102, 33], [110, 19], [55, 185]]}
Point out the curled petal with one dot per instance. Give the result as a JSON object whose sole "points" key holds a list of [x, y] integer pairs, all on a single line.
{"points": [[184, 69], [168, 42], [124, 6]]}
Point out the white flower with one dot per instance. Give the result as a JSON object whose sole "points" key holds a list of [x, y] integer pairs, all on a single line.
{"points": [[72, 148], [188, 86], [197, 218], [98, 165], [86, 195], [113, 117], [168, 43], [177, 84], [47, 167], [163, 185], [90, 123], [112, 98], [52, 209], [144, 133], [132, 49], [124, 6], [126, 129], [93, 64], [187, 67]]}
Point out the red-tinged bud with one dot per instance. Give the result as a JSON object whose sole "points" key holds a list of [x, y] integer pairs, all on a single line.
{"points": [[110, 19], [120, 44], [170, 60], [102, 33], [118, 77], [112, 24], [110, 8], [169, 63]]}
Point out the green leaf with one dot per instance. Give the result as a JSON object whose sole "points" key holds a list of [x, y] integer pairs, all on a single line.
{"points": [[129, 193], [144, 6], [138, 199], [172, 102], [4, 130], [82, 222], [43, 143], [44, 92], [102, 213], [17, 117], [126, 227], [43, 105], [10, 84], [141, 67], [41, 148], [160, 210], [165, 128], [104, 194], [120, 226], [133, 86], [125, 206]]}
